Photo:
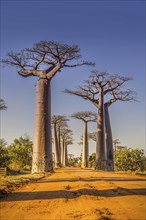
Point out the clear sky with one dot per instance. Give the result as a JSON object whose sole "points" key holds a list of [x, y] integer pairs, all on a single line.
{"points": [[109, 33]]}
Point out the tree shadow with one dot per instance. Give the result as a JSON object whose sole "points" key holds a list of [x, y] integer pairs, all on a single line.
{"points": [[71, 194], [113, 179]]}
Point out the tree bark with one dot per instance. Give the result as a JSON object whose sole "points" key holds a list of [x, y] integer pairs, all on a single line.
{"points": [[56, 149], [66, 156], [108, 139], [85, 147], [59, 145], [62, 152], [100, 143], [42, 148]]}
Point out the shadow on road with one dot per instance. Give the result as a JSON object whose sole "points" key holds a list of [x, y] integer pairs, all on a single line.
{"points": [[116, 179], [68, 194]]}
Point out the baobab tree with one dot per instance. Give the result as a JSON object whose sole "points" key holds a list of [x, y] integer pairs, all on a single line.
{"points": [[57, 121], [115, 142], [66, 135], [86, 117], [68, 141], [2, 105], [96, 87], [44, 60], [62, 123], [117, 95]]}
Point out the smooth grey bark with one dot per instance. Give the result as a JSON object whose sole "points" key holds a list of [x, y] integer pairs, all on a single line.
{"points": [[56, 148], [59, 144], [66, 156], [85, 147], [62, 152], [42, 148], [100, 143], [108, 140]]}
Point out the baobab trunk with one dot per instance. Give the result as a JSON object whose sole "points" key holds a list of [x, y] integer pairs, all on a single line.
{"points": [[66, 156], [85, 147], [59, 144], [42, 148], [100, 143], [56, 149], [62, 152], [108, 140]]}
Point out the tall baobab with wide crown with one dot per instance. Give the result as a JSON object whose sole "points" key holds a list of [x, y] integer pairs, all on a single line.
{"points": [[44, 60], [96, 87], [86, 117]]}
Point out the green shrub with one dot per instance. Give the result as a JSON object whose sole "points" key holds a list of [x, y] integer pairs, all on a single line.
{"points": [[130, 159]]}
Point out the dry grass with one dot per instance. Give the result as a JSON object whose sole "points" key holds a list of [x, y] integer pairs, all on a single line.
{"points": [[10, 183]]}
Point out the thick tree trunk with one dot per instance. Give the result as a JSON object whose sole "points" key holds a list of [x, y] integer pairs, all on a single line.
{"points": [[66, 156], [108, 140], [85, 147], [100, 143], [62, 152], [59, 145], [42, 148], [56, 149]]}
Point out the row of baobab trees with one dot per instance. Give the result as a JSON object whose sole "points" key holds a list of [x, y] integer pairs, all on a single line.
{"points": [[44, 60], [63, 137]]}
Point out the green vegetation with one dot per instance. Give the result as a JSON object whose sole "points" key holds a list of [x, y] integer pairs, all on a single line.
{"points": [[92, 158], [17, 156], [128, 159], [73, 161]]}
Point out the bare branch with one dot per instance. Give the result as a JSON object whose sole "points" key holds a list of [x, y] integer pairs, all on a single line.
{"points": [[87, 116], [92, 136], [122, 95], [2, 105], [52, 55]]}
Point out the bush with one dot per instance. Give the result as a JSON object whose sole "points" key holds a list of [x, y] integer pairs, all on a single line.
{"points": [[20, 152], [130, 159]]}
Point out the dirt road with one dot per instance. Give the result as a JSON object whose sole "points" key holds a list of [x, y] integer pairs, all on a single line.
{"points": [[73, 193]]}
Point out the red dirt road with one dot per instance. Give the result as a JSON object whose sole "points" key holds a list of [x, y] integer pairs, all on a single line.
{"points": [[74, 193]]}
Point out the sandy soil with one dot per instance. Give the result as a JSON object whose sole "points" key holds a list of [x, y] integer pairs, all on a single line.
{"points": [[73, 193]]}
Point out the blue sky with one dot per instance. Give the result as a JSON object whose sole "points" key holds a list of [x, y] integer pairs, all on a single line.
{"points": [[109, 33]]}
